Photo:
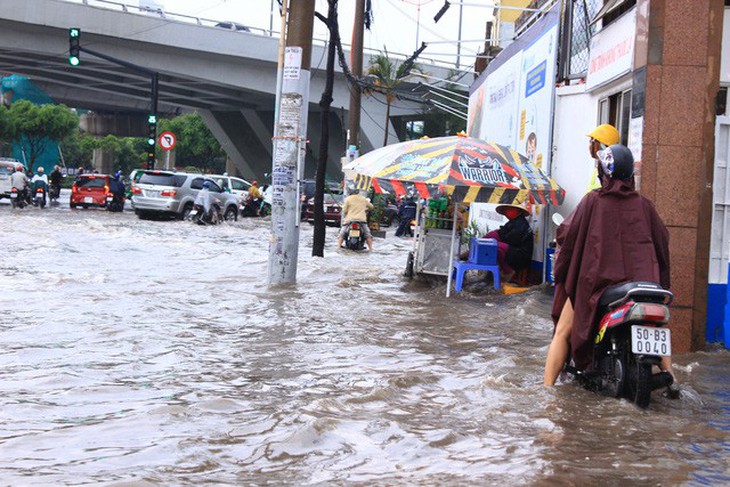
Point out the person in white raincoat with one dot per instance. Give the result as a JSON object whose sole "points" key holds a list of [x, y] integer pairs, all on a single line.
{"points": [[204, 198]]}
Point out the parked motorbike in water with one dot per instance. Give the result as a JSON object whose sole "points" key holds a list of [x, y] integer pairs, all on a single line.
{"points": [[199, 216], [354, 238], [631, 337]]}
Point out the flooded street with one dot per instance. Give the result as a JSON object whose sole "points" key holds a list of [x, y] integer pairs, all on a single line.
{"points": [[152, 353]]}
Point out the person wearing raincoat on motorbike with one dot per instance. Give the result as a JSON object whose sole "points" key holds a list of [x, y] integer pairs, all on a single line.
{"points": [[615, 235], [40, 180], [205, 200]]}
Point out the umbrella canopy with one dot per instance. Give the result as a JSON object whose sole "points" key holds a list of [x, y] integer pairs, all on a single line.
{"points": [[469, 169]]}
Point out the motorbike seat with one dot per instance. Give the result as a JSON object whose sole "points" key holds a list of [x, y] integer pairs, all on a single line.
{"points": [[642, 290]]}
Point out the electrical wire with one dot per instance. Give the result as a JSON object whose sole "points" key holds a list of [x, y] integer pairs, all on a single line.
{"points": [[378, 125], [426, 28]]}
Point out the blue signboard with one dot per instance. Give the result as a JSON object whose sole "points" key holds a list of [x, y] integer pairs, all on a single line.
{"points": [[535, 79]]}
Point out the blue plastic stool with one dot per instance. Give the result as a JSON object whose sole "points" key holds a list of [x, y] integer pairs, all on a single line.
{"points": [[461, 266], [482, 257]]}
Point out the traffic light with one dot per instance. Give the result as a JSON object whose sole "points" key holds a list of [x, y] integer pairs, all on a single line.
{"points": [[74, 36], [151, 139]]}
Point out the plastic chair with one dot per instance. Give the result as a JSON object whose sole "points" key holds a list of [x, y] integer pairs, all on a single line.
{"points": [[482, 257]]}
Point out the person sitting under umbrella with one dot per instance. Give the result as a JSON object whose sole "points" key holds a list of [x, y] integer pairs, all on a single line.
{"points": [[514, 240]]}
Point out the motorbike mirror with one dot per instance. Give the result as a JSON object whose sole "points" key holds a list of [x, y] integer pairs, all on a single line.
{"points": [[558, 218]]}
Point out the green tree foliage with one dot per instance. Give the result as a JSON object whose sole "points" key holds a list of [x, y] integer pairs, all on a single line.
{"points": [[385, 75], [78, 149], [8, 130], [196, 145], [39, 125]]}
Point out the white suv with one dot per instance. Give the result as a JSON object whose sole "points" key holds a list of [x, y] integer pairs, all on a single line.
{"points": [[7, 167], [232, 185]]}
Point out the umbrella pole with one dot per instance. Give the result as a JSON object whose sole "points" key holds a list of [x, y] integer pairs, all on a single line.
{"points": [[451, 252], [418, 226]]}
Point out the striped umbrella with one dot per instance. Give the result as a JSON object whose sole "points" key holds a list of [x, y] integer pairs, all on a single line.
{"points": [[468, 169]]}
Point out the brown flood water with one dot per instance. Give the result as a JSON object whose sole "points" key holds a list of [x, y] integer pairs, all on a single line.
{"points": [[152, 353]]}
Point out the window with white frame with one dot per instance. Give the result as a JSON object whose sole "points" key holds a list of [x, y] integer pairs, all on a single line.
{"points": [[616, 110]]}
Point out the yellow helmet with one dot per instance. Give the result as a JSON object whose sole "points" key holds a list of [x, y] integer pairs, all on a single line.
{"points": [[606, 134]]}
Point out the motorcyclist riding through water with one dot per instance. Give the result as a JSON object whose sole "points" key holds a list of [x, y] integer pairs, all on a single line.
{"points": [[204, 204], [255, 198], [355, 209], [614, 236], [40, 180], [117, 190], [55, 183], [20, 184]]}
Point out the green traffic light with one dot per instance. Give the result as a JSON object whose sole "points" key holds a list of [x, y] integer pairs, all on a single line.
{"points": [[152, 118], [74, 32], [74, 60], [150, 141]]}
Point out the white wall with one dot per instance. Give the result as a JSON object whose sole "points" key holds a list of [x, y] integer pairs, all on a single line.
{"points": [[725, 55], [572, 167]]}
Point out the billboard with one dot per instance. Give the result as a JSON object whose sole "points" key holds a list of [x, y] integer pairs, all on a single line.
{"points": [[512, 103]]}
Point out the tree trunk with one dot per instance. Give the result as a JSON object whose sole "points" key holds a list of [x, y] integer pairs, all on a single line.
{"points": [[387, 120], [324, 103]]}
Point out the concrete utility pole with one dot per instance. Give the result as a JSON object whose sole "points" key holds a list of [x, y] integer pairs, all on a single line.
{"points": [[358, 32], [290, 143]]}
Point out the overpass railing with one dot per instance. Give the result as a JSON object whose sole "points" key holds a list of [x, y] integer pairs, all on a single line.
{"points": [[161, 13]]}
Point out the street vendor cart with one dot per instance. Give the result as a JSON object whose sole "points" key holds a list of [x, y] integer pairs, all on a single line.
{"points": [[464, 168], [432, 247]]}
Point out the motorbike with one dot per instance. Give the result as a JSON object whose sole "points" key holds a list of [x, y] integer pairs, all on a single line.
{"points": [[54, 192], [39, 198], [631, 338], [199, 216], [255, 207], [354, 238], [115, 202], [18, 198]]}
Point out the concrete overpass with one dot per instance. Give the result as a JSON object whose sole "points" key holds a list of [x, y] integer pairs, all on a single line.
{"points": [[227, 76]]}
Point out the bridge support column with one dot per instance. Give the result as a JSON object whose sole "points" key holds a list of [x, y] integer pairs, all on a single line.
{"points": [[103, 161]]}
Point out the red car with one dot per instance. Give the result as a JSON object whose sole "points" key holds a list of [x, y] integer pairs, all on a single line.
{"points": [[90, 190], [332, 209]]}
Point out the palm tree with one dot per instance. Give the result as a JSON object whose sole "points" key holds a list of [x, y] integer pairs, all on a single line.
{"points": [[385, 75]]}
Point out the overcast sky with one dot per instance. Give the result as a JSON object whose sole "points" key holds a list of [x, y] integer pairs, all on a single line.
{"points": [[396, 22]]}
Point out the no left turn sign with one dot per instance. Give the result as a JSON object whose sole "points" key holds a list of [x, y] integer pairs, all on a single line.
{"points": [[167, 140]]}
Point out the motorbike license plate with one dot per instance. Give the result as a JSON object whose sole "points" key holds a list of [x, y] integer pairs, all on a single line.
{"points": [[193, 213], [88, 199], [109, 199], [354, 233], [648, 340], [13, 195]]}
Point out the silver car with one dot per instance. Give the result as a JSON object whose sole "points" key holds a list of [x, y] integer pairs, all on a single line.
{"points": [[173, 193]]}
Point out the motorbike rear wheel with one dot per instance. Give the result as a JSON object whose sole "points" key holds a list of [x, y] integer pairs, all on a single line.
{"points": [[639, 383], [613, 375]]}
